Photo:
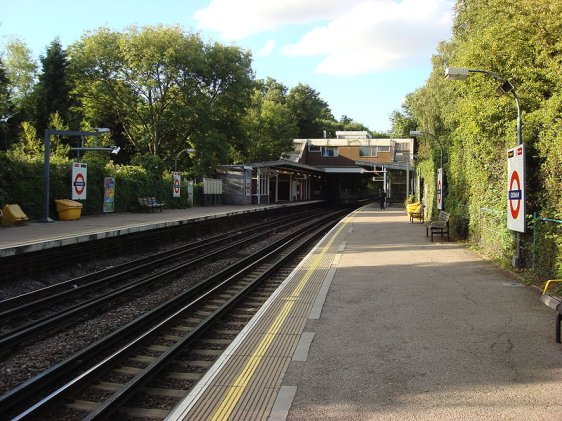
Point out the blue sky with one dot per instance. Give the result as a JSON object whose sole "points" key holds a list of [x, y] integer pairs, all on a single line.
{"points": [[362, 56]]}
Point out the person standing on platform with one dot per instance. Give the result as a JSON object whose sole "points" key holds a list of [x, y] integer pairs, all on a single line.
{"points": [[382, 198]]}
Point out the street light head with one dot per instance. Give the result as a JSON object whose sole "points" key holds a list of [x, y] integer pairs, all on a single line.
{"points": [[101, 129], [115, 150], [415, 133], [456, 73], [504, 88]]}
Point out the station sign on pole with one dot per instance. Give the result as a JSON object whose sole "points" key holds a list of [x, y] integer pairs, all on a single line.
{"points": [[516, 188], [440, 189], [79, 181], [177, 185]]}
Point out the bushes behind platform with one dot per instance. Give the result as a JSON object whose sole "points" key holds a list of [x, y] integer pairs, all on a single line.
{"points": [[21, 182]]}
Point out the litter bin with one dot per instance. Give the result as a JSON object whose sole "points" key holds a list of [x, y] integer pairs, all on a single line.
{"points": [[68, 210], [12, 215]]}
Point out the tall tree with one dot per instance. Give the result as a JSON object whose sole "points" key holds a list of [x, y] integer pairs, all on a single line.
{"points": [[311, 113], [268, 123], [6, 106], [52, 91], [21, 71], [168, 88], [402, 121]]}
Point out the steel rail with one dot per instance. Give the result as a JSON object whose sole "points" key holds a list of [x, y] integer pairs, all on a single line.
{"points": [[34, 299], [23, 333], [45, 381]]}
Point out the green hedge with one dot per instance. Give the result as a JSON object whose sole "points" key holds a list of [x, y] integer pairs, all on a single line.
{"points": [[21, 182]]}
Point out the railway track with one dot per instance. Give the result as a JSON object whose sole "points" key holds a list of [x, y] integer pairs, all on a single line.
{"points": [[32, 313], [173, 335]]}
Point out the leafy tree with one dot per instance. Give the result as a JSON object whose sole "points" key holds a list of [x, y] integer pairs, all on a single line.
{"points": [[519, 40], [6, 106], [347, 123], [268, 124], [163, 85], [21, 71], [402, 122], [52, 91], [310, 113]]}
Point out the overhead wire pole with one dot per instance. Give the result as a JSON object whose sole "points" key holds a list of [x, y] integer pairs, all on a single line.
{"points": [[47, 165]]}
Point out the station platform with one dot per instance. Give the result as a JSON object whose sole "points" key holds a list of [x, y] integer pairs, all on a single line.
{"points": [[378, 323], [35, 236]]}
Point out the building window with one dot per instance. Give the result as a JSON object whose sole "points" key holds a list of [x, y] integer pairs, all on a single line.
{"points": [[313, 148], [329, 151], [264, 185], [383, 148], [367, 151]]}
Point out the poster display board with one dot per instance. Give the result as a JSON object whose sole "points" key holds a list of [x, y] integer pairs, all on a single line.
{"points": [[108, 194]]}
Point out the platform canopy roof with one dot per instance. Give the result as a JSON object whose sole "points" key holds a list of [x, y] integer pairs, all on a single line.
{"points": [[282, 164]]}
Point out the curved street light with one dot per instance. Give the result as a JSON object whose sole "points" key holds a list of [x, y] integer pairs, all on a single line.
{"points": [[188, 150], [462, 73]]}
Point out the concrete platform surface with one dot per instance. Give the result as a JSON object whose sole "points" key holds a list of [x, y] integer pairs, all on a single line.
{"points": [[414, 330], [35, 236]]}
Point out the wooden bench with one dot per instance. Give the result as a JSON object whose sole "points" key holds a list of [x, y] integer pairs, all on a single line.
{"points": [[441, 225], [416, 212], [149, 203], [555, 304]]}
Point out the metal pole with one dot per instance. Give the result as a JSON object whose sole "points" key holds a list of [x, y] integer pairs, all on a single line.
{"points": [[407, 180], [517, 258], [517, 262], [46, 163], [46, 167], [442, 176]]}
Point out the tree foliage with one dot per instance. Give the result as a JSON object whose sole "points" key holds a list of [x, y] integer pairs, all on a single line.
{"points": [[518, 39], [52, 91], [310, 113], [268, 124], [162, 84]]}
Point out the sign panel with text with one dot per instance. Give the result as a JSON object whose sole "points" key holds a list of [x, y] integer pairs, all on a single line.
{"points": [[79, 181], [516, 188], [440, 189]]}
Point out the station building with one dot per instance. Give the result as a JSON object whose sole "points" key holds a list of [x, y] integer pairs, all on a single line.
{"points": [[350, 167]]}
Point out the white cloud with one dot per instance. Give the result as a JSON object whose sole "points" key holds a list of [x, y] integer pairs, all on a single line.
{"points": [[267, 49], [355, 36], [377, 35], [238, 19]]}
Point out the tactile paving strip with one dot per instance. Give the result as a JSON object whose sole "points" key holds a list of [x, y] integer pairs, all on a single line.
{"points": [[245, 382]]}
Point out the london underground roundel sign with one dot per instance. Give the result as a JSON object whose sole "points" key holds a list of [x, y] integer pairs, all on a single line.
{"points": [[176, 185], [516, 188], [79, 181]]}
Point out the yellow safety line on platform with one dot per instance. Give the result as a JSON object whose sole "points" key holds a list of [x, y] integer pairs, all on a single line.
{"points": [[224, 410]]}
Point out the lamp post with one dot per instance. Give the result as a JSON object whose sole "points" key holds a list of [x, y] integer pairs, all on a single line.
{"points": [[188, 150], [4, 119], [417, 133], [462, 73], [46, 161]]}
